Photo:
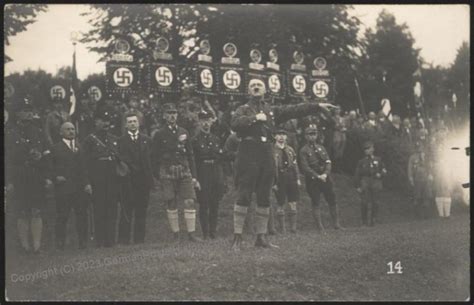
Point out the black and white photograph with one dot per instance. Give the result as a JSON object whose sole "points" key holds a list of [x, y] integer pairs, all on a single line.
{"points": [[237, 152]]}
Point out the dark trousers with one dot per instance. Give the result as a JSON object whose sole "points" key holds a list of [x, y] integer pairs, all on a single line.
{"points": [[211, 179], [255, 172], [135, 202], [105, 194], [315, 187], [369, 207], [64, 204], [208, 210]]}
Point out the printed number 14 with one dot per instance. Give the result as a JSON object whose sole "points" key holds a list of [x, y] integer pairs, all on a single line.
{"points": [[398, 267]]}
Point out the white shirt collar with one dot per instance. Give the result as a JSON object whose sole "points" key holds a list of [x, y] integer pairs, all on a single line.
{"points": [[133, 134], [68, 142]]}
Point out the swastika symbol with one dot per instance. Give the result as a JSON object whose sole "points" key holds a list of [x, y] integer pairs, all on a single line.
{"points": [[123, 77], [94, 93], [231, 79], [274, 83], [164, 76], [57, 92], [320, 89], [299, 83], [206, 78]]}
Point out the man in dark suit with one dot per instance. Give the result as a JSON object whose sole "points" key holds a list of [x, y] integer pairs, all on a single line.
{"points": [[68, 173], [134, 149]]}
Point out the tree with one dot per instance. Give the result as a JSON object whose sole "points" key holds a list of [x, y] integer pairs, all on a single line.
{"points": [[435, 88], [459, 80], [17, 18], [389, 54], [35, 83]]}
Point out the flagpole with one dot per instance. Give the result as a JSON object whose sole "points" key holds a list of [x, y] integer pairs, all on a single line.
{"points": [[73, 97]]}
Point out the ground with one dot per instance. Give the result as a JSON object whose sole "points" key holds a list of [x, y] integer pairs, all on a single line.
{"points": [[345, 265]]}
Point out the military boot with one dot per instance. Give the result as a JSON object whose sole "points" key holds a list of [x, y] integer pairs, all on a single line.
{"points": [[292, 216], [22, 226], [193, 238], [36, 232], [271, 223], [237, 242], [317, 219], [281, 221], [335, 217], [262, 242]]}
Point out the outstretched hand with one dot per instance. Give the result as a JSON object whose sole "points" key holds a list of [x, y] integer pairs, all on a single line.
{"points": [[328, 106]]}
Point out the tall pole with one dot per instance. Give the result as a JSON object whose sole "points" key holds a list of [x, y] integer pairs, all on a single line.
{"points": [[361, 102]]}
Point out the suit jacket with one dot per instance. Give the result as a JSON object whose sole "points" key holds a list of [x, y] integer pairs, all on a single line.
{"points": [[137, 156], [70, 165]]}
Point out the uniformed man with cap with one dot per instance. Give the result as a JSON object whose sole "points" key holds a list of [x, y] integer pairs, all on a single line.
{"points": [[255, 122], [100, 150], [287, 180], [54, 120], [27, 152], [420, 176], [173, 165], [316, 167], [368, 178], [209, 157]]}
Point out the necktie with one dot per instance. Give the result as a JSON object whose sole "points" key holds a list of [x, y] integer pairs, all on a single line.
{"points": [[71, 144], [284, 158]]}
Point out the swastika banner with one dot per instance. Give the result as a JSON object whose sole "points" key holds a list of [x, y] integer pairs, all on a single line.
{"points": [[275, 85], [205, 79], [297, 83], [162, 77], [231, 80], [122, 77], [322, 89]]}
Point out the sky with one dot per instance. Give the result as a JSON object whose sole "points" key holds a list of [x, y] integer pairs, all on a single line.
{"points": [[438, 30]]}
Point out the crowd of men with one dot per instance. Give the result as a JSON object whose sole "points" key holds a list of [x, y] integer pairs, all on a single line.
{"points": [[113, 153]]}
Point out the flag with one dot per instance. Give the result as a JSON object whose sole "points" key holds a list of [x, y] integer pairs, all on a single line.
{"points": [[386, 108], [73, 86]]}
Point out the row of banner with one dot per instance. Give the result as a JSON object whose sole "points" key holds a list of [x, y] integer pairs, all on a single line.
{"points": [[228, 77]]}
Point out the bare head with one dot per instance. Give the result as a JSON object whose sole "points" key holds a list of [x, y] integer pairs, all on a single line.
{"points": [[68, 131]]}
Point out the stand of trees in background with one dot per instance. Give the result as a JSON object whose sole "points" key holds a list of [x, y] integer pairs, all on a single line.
{"points": [[17, 17]]}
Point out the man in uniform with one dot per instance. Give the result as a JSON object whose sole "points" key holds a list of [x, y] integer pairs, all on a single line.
{"points": [[173, 164], [208, 155], [316, 167], [54, 120], [135, 150], [287, 180], [100, 149], [407, 131], [339, 138], [70, 177], [27, 153], [85, 117], [421, 178], [254, 122], [368, 179]]}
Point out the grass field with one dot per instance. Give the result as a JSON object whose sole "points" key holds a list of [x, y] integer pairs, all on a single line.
{"points": [[341, 265]]}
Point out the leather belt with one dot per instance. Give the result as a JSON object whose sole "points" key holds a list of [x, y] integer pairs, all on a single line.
{"points": [[209, 161]]}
